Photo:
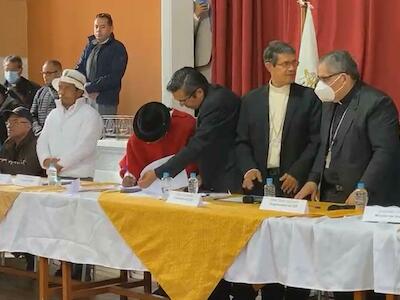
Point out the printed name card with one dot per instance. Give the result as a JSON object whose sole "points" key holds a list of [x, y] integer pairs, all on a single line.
{"points": [[284, 204], [73, 187], [381, 214], [27, 180], [5, 179], [183, 198]]}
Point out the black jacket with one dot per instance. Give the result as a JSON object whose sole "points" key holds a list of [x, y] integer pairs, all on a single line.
{"points": [[367, 147], [24, 91], [22, 158], [212, 146], [300, 135], [111, 65]]}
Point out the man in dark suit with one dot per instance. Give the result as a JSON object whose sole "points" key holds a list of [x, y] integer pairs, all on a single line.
{"points": [[213, 145], [359, 139], [278, 137]]}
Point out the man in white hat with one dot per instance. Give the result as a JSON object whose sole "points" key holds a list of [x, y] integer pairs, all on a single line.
{"points": [[70, 133]]}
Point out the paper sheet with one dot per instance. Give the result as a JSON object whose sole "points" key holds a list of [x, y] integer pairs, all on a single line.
{"points": [[179, 181]]}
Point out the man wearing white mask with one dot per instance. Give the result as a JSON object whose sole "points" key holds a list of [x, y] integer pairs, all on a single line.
{"points": [[359, 137], [71, 130], [18, 86]]}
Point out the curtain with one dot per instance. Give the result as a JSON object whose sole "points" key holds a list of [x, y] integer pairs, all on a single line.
{"points": [[368, 29]]}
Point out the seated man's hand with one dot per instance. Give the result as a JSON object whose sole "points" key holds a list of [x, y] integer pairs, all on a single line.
{"points": [[148, 178], [128, 181], [289, 184], [309, 189], [248, 178], [50, 160]]}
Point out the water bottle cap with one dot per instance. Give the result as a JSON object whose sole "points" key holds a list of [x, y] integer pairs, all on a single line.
{"points": [[269, 180], [165, 174], [361, 185], [192, 175]]}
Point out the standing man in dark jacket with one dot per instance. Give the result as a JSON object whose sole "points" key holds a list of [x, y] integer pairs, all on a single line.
{"points": [[18, 86], [212, 145], [103, 62]]}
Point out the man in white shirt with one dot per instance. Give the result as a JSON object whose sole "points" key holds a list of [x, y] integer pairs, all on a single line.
{"points": [[278, 137], [70, 133]]}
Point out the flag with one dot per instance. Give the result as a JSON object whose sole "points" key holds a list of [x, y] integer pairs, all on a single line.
{"points": [[308, 56]]}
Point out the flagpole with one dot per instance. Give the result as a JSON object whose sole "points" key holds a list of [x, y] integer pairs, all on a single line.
{"points": [[303, 11]]}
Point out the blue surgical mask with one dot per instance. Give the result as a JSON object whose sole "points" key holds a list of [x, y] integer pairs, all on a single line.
{"points": [[11, 76]]}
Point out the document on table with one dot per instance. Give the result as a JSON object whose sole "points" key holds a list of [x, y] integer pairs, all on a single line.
{"points": [[179, 181]]}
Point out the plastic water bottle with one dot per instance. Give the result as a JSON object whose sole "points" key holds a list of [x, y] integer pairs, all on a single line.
{"points": [[193, 185], [361, 196], [166, 184], [269, 188], [52, 177]]}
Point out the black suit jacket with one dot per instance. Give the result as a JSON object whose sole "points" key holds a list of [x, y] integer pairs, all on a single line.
{"points": [[213, 145], [367, 147], [300, 135]]}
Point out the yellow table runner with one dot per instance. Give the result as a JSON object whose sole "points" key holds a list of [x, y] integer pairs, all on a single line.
{"points": [[187, 249], [9, 193]]}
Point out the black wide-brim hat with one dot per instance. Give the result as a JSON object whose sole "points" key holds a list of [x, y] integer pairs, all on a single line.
{"points": [[151, 121]]}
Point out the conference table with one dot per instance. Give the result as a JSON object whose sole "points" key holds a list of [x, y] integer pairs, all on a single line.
{"points": [[189, 249]]}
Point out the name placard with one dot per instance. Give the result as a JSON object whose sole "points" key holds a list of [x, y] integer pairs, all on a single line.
{"points": [[5, 179], [27, 180], [284, 204], [381, 214], [183, 198]]}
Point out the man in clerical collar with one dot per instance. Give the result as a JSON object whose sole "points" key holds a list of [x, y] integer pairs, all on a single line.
{"points": [[359, 137], [278, 138], [359, 140]]}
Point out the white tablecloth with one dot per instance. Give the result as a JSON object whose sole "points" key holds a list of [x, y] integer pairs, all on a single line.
{"points": [[319, 253]]}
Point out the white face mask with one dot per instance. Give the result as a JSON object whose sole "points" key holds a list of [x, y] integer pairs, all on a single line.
{"points": [[324, 91]]}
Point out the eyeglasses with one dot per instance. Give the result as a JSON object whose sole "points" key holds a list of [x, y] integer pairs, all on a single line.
{"points": [[287, 64], [325, 78], [48, 72], [16, 122], [187, 98]]}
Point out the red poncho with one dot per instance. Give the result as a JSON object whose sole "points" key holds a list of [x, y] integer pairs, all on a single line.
{"points": [[139, 153]]}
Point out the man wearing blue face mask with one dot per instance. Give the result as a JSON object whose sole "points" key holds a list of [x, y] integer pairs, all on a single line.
{"points": [[18, 86], [359, 136]]}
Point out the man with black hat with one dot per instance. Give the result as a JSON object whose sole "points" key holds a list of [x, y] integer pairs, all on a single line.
{"points": [[18, 155], [158, 132]]}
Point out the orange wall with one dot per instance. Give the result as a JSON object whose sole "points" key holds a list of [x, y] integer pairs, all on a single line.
{"points": [[59, 29], [13, 31]]}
